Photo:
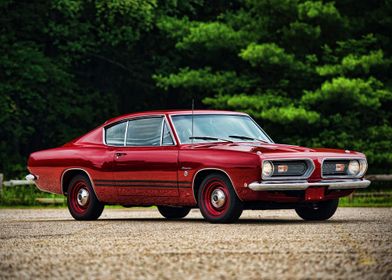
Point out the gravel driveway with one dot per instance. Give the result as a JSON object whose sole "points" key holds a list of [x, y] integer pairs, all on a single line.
{"points": [[139, 244]]}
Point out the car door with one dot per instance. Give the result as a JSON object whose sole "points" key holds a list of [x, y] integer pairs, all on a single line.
{"points": [[147, 163]]}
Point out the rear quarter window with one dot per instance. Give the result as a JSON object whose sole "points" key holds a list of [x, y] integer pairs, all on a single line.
{"points": [[115, 134]]}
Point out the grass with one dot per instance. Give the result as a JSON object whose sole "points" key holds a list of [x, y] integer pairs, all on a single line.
{"points": [[29, 196], [369, 201]]}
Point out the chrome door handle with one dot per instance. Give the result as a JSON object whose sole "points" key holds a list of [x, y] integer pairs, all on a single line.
{"points": [[186, 168], [120, 154]]}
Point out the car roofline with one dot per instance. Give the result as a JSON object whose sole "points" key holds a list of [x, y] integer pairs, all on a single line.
{"points": [[171, 113]]}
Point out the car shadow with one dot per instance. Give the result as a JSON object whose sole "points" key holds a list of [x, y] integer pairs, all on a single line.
{"points": [[245, 221]]}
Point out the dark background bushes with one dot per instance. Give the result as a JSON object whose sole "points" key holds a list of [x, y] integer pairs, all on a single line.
{"points": [[314, 73]]}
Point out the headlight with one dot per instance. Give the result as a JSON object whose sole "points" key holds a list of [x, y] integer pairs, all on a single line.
{"points": [[353, 167], [268, 169]]}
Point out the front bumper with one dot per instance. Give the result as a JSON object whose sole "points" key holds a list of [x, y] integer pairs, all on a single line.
{"points": [[303, 185]]}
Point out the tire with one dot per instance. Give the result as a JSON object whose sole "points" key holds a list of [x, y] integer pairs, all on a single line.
{"points": [[83, 208], [173, 213], [218, 201], [318, 212]]}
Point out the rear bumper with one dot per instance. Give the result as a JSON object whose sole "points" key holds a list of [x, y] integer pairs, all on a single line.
{"points": [[303, 185], [31, 178]]}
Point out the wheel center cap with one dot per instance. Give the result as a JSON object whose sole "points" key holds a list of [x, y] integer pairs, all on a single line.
{"points": [[218, 198], [82, 197]]}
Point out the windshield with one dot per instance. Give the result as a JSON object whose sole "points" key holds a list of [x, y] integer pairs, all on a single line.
{"points": [[218, 128]]}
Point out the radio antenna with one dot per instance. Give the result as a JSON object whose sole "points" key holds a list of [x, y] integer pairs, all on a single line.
{"points": [[193, 108]]}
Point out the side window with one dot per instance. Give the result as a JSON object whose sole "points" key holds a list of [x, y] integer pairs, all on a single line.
{"points": [[115, 134], [144, 132], [166, 136]]}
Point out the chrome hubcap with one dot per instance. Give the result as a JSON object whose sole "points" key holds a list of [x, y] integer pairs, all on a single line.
{"points": [[82, 197], [218, 198]]}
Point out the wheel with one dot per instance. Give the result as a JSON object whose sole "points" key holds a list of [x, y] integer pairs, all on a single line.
{"points": [[319, 211], [170, 212], [218, 201], [81, 199]]}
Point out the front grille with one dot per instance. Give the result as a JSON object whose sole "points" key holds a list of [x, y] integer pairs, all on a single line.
{"points": [[335, 167], [291, 168]]}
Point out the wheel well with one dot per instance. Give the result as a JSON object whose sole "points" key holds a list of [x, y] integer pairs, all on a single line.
{"points": [[67, 177], [200, 177]]}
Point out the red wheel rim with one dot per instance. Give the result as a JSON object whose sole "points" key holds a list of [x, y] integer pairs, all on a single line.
{"points": [[79, 197], [215, 204]]}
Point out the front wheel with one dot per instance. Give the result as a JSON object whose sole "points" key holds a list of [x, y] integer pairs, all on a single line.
{"points": [[318, 211], [81, 199], [218, 201], [173, 213]]}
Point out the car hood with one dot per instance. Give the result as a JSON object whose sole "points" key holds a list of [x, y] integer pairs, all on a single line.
{"points": [[275, 150]]}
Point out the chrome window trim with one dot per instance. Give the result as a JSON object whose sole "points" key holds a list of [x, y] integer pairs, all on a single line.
{"points": [[108, 126], [164, 117], [126, 133], [204, 114], [162, 125], [307, 174], [343, 176]]}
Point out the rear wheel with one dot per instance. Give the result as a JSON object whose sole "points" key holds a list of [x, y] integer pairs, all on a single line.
{"points": [[218, 201], [81, 199], [318, 211], [170, 212]]}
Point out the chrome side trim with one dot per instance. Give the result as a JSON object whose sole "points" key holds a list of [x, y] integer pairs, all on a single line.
{"points": [[343, 176], [303, 185], [80, 169], [217, 169], [307, 174]]}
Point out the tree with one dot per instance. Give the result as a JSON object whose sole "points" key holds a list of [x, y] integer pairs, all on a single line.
{"points": [[313, 73]]}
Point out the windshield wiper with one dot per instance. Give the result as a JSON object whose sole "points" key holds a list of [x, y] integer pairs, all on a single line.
{"points": [[209, 138], [247, 138]]}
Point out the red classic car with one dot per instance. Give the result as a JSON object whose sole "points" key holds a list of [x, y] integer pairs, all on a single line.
{"points": [[221, 162]]}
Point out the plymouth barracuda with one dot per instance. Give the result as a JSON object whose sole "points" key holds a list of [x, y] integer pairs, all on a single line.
{"points": [[219, 161]]}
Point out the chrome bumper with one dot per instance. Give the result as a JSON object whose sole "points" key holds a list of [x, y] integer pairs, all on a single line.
{"points": [[303, 185]]}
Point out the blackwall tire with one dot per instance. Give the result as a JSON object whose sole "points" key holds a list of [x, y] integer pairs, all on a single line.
{"points": [[319, 211], [173, 213]]}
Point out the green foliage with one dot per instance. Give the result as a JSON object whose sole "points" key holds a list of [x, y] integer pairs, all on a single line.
{"points": [[343, 93], [215, 35], [266, 55], [27, 196], [203, 80], [354, 64], [313, 73]]}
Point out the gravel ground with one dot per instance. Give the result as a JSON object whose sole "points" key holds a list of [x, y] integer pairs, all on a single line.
{"points": [[138, 244]]}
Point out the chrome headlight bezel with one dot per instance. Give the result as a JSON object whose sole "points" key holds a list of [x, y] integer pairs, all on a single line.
{"points": [[363, 166]]}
